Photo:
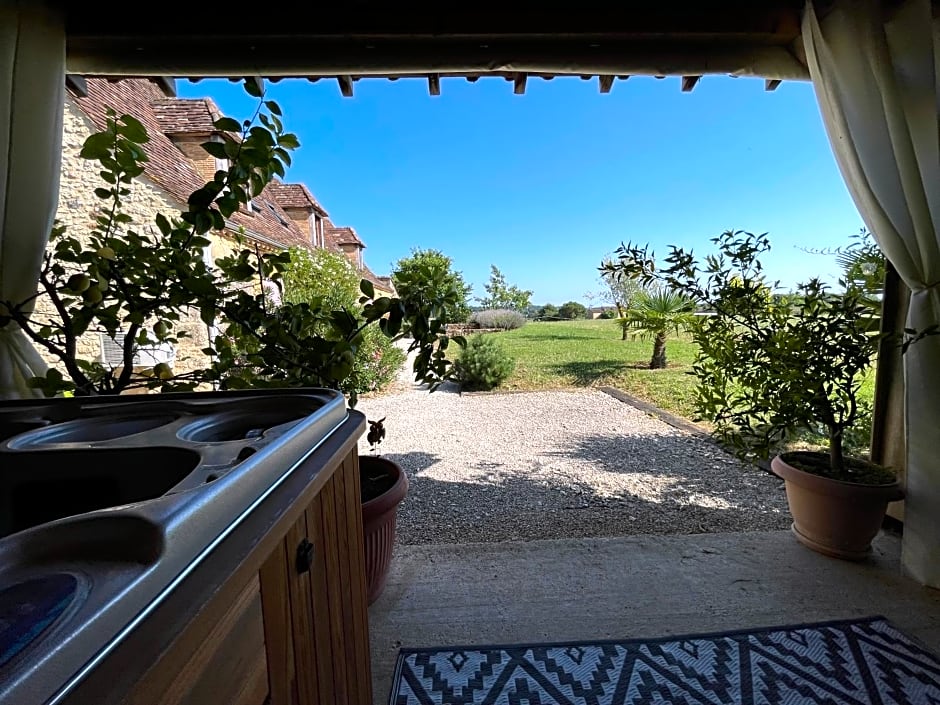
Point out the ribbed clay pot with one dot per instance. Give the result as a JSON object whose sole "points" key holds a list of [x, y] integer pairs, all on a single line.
{"points": [[379, 517], [835, 518]]}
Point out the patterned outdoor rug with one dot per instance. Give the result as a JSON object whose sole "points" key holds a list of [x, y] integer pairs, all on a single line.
{"points": [[860, 662]]}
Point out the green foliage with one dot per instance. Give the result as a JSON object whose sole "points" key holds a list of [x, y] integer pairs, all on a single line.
{"points": [[501, 294], [502, 319], [548, 312], [608, 315], [327, 279], [571, 310], [483, 364], [620, 291], [655, 313], [435, 271], [377, 363], [136, 286], [766, 368], [321, 275]]}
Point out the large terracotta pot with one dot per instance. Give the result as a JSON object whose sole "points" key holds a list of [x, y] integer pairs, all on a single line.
{"points": [[379, 517], [835, 518]]}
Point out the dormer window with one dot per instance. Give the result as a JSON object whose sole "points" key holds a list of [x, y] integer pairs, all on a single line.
{"points": [[277, 215]]}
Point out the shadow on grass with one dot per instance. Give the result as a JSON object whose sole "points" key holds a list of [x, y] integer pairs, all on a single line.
{"points": [[585, 374]]}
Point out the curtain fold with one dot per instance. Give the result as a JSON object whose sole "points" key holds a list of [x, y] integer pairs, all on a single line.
{"points": [[875, 71], [32, 86]]}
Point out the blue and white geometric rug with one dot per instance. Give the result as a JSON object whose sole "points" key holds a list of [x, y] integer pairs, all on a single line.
{"points": [[857, 662]]}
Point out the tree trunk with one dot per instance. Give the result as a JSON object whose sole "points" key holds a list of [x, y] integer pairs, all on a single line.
{"points": [[836, 461], [621, 314], [658, 362]]}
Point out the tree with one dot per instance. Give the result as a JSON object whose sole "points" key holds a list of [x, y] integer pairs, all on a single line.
{"points": [[765, 368], [548, 311], [572, 309], [501, 294], [435, 269], [619, 289], [654, 314]]}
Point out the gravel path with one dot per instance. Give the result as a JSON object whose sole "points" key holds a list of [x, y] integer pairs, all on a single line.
{"points": [[540, 465]]}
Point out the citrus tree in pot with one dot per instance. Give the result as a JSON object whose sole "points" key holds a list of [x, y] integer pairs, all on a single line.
{"points": [[136, 282], [770, 368]]}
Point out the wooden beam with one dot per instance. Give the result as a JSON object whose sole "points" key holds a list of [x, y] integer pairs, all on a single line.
{"points": [[472, 79], [345, 85], [434, 84], [605, 82], [771, 84], [78, 84], [688, 83], [314, 79], [519, 84]]}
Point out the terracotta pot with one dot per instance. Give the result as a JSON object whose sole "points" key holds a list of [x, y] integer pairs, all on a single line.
{"points": [[836, 518], [379, 517]]}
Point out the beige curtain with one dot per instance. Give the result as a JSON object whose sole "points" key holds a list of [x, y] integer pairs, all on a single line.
{"points": [[875, 72], [32, 79]]}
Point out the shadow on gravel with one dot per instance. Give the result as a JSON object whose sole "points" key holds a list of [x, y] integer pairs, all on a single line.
{"points": [[584, 374], [517, 509], [413, 462]]}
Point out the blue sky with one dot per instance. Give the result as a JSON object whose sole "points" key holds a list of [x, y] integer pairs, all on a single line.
{"points": [[545, 184]]}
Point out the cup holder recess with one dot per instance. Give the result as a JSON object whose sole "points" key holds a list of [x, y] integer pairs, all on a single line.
{"points": [[102, 428], [249, 421]]}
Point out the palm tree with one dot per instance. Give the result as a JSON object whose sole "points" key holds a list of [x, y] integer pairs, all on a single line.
{"points": [[654, 314]]}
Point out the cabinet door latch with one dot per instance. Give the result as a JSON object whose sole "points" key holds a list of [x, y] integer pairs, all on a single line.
{"points": [[304, 556]]}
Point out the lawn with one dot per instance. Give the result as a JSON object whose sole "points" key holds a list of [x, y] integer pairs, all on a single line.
{"points": [[590, 353]]}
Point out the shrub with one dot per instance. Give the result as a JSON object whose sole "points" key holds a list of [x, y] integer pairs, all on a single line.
{"points": [[572, 309], [483, 364], [608, 315], [329, 278], [430, 274], [500, 318], [377, 363]]}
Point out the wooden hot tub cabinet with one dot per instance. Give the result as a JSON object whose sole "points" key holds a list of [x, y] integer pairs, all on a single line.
{"points": [[276, 613]]}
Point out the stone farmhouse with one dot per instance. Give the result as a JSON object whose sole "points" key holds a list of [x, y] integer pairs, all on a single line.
{"points": [[281, 217]]}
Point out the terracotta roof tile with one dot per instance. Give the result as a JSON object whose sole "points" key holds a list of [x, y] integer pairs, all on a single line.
{"points": [[168, 166], [186, 115], [296, 196], [345, 235]]}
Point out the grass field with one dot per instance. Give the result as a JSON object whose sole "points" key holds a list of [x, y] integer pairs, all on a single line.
{"points": [[564, 354], [590, 353]]}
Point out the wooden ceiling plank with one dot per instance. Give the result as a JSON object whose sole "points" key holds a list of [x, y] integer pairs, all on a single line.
{"points": [[689, 83], [605, 82], [771, 84], [345, 86], [519, 83], [434, 84]]}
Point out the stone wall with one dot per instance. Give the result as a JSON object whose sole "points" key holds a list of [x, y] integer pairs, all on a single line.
{"points": [[76, 210]]}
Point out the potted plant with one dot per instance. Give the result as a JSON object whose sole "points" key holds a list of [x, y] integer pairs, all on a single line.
{"points": [[774, 368], [384, 486]]}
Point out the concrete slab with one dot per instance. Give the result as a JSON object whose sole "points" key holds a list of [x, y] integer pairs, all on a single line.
{"points": [[642, 586]]}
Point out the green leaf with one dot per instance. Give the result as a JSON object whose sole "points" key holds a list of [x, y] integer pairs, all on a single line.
{"points": [[97, 146], [288, 141], [132, 129], [216, 149], [227, 124], [253, 87], [367, 288], [273, 107]]}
